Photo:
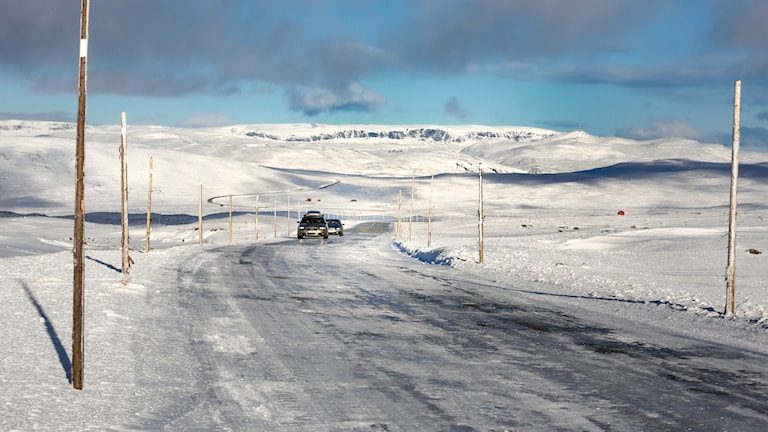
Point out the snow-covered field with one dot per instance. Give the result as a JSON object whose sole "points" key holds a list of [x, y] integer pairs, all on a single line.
{"points": [[572, 215]]}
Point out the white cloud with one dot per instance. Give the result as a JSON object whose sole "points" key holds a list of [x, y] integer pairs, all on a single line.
{"points": [[206, 120], [353, 97], [661, 128]]}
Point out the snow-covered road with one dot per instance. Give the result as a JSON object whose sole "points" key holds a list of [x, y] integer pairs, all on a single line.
{"points": [[350, 334]]}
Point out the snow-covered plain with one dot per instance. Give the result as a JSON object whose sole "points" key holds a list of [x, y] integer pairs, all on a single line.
{"points": [[553, 227]]}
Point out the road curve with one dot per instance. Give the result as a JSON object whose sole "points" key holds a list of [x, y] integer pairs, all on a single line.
{"points": [[349, 334]]}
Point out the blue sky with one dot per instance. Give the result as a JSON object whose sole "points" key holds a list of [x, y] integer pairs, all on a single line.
{"points": [[647, 69]]}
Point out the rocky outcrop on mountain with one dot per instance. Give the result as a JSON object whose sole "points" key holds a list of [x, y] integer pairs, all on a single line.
{"points": [[424, 134]]}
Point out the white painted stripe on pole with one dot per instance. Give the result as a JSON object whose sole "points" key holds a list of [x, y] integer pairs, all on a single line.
{"points": [[83, 48], [123, 131]]}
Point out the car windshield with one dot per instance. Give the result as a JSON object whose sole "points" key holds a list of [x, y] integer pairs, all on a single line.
{"points": [[312, 220], [334, 223]]}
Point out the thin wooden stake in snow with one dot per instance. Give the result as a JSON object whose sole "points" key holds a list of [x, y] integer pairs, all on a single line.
{"points": [[429, 218], [481, 218], [730, 296], [124, 187], [78, 351]]}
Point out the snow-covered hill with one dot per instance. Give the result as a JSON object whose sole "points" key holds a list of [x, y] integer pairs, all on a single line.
{"points": [[36, 158], [579, 151], [531, 174]]}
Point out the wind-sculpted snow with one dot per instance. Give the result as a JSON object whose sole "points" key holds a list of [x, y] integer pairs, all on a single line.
{"points": [[429, 256]]}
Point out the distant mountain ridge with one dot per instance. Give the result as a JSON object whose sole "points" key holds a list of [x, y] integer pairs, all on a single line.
{"points": [[319, 133], [425, 133], [35, 126]]}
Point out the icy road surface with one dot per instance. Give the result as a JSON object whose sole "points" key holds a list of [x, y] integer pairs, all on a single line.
{"points": [[349, 334]]}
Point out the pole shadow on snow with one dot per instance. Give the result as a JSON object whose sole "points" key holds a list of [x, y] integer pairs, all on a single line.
{"points": [[140, 219], [628, 171], [665, 303], [107, 265], [60, 350]]}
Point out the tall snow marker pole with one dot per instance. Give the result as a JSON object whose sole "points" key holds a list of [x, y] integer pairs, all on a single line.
{"points": [[730, 296], [124, 188], [78, 346], [429, 219], [481, 219]]}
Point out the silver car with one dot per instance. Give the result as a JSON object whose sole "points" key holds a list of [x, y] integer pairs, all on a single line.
{"points": [[312, 225], [335, 227]]}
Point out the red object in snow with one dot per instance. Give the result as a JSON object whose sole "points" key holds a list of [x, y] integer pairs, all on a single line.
{"points": [[621, 213]]}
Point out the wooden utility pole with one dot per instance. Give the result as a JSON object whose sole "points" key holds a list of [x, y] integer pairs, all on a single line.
{"points": [[429, 219], [149, 205], [78, 351], [481, 218], [124, 188], [730, 295]]}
